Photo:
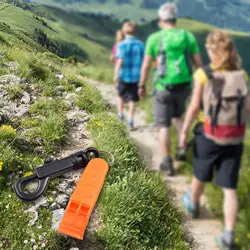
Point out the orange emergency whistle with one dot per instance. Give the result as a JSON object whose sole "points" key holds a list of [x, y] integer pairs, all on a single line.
{"points": [[83, 199]]}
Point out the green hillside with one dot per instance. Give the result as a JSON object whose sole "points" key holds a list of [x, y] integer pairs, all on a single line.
{"points": [[232, 14], [90, 37], [84, 37]]}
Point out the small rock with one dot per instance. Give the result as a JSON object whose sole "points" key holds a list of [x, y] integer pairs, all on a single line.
{"points": [[69, 191], [74, 248], [12, 66], [54, 206], [57, 216], [26, 98], [59, 76], [42, 202], [9, 79], [60, 88], [65, 203], [62, 187], [78, 90], [21, 110], [32, 186], [25, 80], [34, 213], [62, 199], [71, 97], [23, 145]]}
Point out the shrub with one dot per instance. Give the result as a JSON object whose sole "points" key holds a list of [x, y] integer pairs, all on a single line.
{"points": [[47, 107], [90, 100], [52, 130], [14, 91]]}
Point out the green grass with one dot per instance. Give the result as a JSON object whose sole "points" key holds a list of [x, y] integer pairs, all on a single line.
{"points": [[134, 207], [48, 107]]}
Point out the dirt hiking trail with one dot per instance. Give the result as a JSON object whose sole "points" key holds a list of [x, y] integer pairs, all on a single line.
{"points": [[202, 231]]}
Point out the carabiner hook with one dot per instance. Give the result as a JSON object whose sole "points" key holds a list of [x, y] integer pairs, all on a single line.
{"points": [[42, 186], [52, 169]]}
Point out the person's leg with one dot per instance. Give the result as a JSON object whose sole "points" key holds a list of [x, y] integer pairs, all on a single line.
{"points": [[179, 108], [120, 107], [121, 89], [178, 123], [227, 177], [163, 117], [132, 107], [164, 140], [197, 190], [230, 208]]}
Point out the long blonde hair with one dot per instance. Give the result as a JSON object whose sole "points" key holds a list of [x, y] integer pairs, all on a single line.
{"points": [[119, 36], [224, 47]]}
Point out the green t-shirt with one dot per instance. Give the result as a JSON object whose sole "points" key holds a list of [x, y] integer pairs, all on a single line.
{"points": [[173, 38]]}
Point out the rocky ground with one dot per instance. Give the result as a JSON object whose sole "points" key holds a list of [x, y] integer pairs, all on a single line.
{"points": [[15, 106]]}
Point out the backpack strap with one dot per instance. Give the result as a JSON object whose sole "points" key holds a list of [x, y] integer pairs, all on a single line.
{"points": [[213, 110], [239, 106], [188, 55], [208, 71]]}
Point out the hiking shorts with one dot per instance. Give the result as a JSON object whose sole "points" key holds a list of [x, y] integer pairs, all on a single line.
{"points": [[211, 159], [128, 91], [169, 105]]}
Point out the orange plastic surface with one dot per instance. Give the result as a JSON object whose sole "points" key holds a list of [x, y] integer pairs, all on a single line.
{"points": [[83, 199]]}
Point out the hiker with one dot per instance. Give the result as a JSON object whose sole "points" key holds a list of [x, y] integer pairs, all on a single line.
{"points": [[119, 38], [222, 88], [130, 53], [176, 51]]}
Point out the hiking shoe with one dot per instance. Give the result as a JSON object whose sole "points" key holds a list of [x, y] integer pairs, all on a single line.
{"points": [[191, 209], [222, 245], [121, 117], [131, 125], [167, 166], [181, 154]]}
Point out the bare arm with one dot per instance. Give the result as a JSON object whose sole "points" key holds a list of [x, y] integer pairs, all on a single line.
{"points": [[197, 61], [194, 106], [145, 70], [191, 112], [118, 67]]}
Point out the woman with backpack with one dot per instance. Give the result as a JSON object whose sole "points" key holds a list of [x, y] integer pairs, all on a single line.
{"points": [[221, 88]]}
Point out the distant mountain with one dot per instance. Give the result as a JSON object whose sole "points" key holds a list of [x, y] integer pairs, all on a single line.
{"points": [[230, 14]]}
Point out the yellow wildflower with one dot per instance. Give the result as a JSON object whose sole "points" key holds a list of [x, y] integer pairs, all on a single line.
{"points": [[27, 174], [248, 236], [1, 166], [237, 239]]}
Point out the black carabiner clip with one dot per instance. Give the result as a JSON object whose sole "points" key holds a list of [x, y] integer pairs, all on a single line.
{"points": [[51, 170]]}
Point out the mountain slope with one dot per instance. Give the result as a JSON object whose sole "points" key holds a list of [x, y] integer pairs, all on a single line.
{"points": [[232, 14], [83, 36], [90, 37]]}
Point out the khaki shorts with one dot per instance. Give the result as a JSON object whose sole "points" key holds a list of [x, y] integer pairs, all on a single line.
{"points": [[169, 105]]}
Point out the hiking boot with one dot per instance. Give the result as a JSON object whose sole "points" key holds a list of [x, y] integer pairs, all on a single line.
{"points": [[191, 209], [222, 245], [131, 125], [121, 117], [167, 166], [181, 154]]}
